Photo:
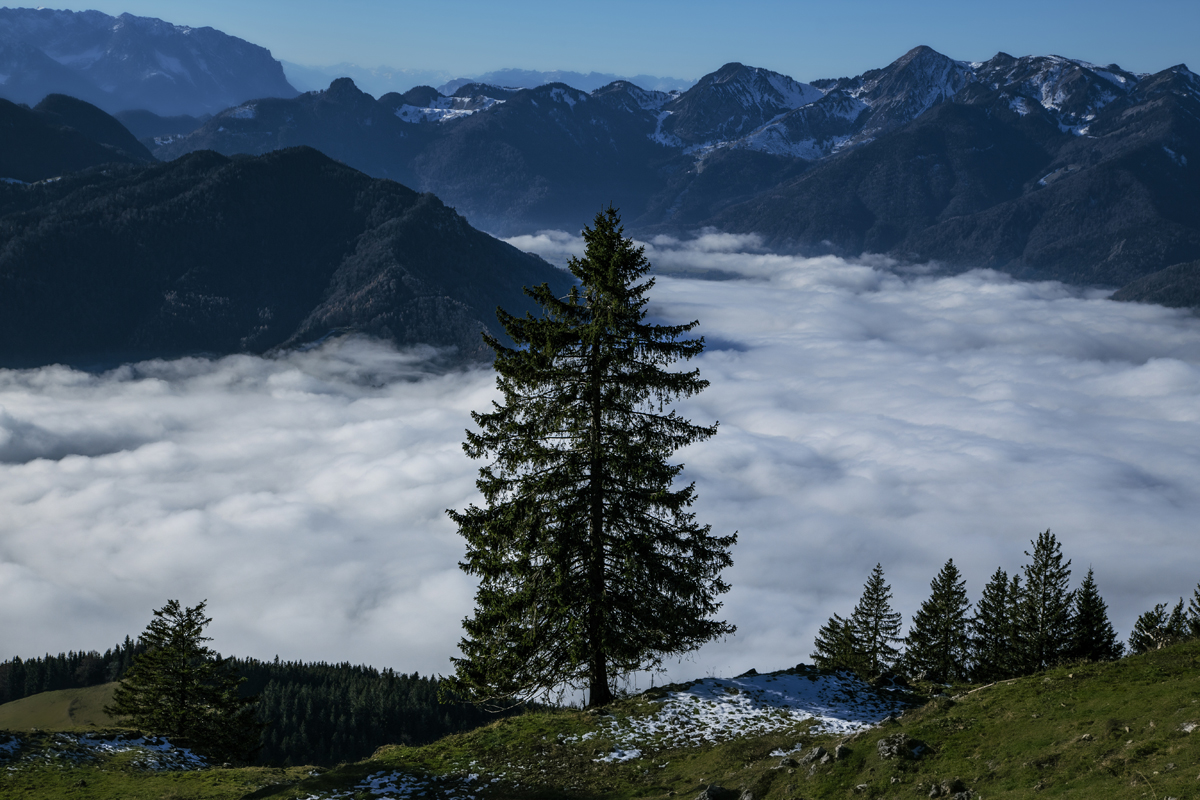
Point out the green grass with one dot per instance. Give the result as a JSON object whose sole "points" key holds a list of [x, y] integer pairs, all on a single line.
{"points": [[1082, 731], [64, 710]]}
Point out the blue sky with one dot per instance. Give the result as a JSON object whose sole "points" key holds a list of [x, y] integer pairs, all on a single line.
{"points": [[688, 39]]}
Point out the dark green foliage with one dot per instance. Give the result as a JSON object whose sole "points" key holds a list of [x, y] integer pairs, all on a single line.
{"points": [[937, 645], [331, 713], [1093, 636], [313, 713], [993, 630], [1043, 611], [590, 564], [1157, 629], [836, 646], [182, 689]]}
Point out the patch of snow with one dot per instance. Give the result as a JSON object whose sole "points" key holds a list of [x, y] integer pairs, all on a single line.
{"points": [[780, 752], [563, 96], [172, 65], [619, 755], [665, 139], [1178, 159], [445, 109], [718, 709], [14, 181], [247, 111], [402, 785], [1019, 105], [1061, 172], [79, 60]]}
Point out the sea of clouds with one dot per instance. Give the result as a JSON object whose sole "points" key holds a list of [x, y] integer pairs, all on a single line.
{"points": [[867, 414]]}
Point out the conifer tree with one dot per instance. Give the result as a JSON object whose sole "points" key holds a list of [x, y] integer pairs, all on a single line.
{"points": [[1093, 636], [590, 564], [1156, 629], [992, 634], [876, 625], [837, 647], [180, 688], [1193, 617], [937, 645], [1043, 613]]}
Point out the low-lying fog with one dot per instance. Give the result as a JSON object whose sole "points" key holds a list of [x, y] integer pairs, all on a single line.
{"points": [[865, 418]]}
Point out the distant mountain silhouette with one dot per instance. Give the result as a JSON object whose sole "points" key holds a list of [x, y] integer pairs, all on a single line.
{"points": [[62, 135], [215, 255], [128, 62]]}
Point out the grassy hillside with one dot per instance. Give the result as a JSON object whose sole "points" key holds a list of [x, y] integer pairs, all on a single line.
{"points": [[64, 710], [1129, 729]]}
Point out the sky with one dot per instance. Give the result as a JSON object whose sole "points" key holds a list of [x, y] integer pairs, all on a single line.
{"points": [[866, 416], [673, 38]]}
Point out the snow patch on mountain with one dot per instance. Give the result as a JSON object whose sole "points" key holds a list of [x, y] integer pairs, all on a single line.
{"points": [[665, 139], [446, 109]]}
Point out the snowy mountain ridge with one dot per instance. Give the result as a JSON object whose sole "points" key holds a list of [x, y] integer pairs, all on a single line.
{"points": [[752, 108]]}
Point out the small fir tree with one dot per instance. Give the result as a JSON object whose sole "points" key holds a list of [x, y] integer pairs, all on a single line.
{"points": [[178, 687], [1193, 616], [991, 629], [590, 564], [876, 625], [837, 646], [938, 645], [1157, 629], [1043, 614], [1093, 637]]}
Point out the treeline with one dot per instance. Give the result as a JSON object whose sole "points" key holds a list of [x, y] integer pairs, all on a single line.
{"points": [[328, 713], [22, 678], [314, 713], [1021, 624]]}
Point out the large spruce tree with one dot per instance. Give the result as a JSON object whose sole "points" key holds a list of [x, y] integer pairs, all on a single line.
{"points": [[1043, 613], [1092, 635], [180, 688], [992, 629], [590, 563], [938, 646]]}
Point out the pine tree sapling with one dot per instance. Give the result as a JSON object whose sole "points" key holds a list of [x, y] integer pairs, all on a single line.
{"points": [[1092, 635], [590, 564], [937, 647], [1043, 613], [180, 688], [876, 626]]}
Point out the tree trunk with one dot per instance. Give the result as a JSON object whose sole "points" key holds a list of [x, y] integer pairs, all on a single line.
{"points": [[599, 693]]}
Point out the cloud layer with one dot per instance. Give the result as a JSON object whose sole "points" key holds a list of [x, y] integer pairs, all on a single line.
{"points": [[865, 416]]}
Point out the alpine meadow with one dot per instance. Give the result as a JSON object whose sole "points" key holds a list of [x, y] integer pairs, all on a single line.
{"points": [[780, 402]]}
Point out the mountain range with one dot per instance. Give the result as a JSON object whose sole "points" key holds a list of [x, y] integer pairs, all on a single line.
{"points": [[128, 62], [1042, 166]]}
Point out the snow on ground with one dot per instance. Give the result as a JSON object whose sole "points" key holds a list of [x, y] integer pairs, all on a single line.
{"points": [[398, 785], [152, 753], [718, 709]]}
